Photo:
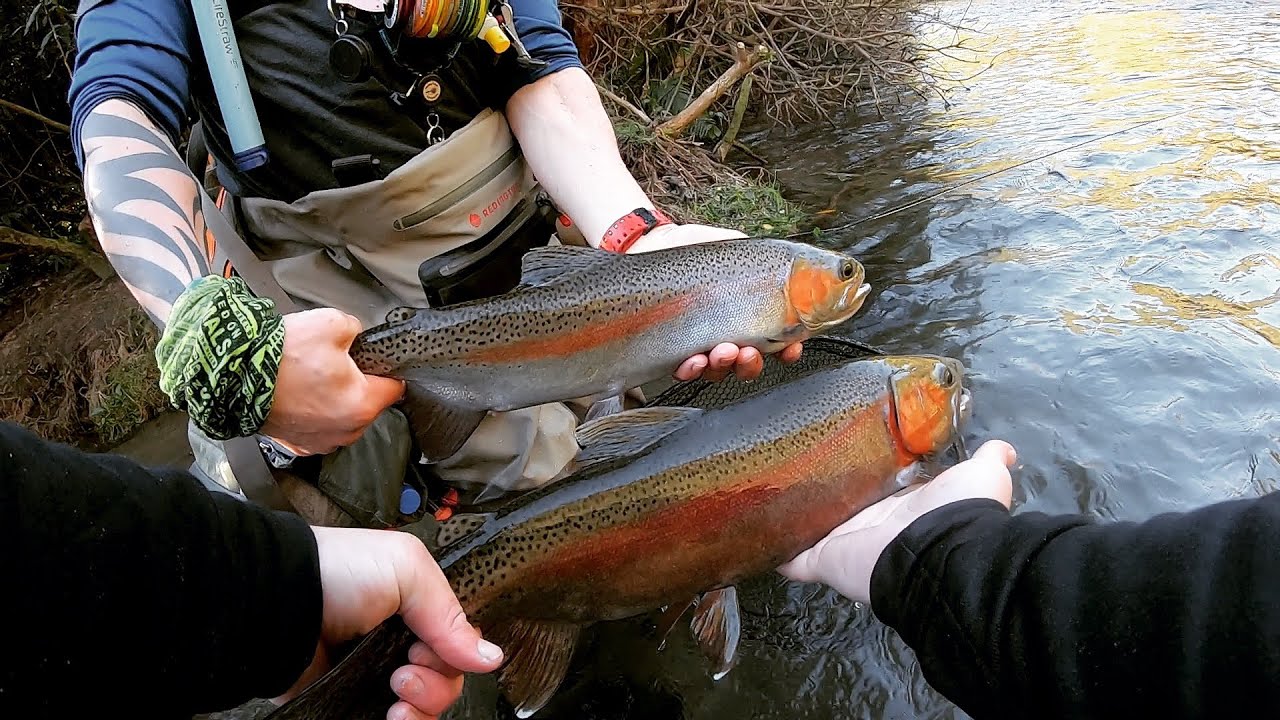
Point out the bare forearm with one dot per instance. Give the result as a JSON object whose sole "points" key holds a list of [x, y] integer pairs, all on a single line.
{"points": [[146, 206], [568, 140]]}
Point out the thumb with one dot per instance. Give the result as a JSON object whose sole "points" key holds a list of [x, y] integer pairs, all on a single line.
{"points": [[996, 451], [432, 612], [345, 327], [383, 392]]}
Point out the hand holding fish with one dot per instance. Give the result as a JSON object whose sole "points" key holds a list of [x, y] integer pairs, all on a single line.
{"points": [[368, 576], [745, 362], [322, 400], [846, 558]]}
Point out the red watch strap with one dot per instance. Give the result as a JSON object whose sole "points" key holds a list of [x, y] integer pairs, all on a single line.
{"points": [[631, 227]]}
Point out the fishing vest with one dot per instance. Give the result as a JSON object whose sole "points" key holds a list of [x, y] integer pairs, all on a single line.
{"points": [[362, 210]]}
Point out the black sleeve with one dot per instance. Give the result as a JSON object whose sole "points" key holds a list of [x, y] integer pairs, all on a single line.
{"points": [[140, 592], [1043, 616]]}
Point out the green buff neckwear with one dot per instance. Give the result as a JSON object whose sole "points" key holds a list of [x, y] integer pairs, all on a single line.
{"points": [[219, 356]]}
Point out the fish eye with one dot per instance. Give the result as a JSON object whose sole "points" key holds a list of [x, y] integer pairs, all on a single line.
{"points": [[846, 270], [944, 374]]}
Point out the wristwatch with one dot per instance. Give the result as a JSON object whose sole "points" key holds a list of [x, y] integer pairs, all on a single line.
{"points": [[629, 228]]}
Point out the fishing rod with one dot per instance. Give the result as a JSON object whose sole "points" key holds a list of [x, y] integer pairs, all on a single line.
{"points": [[993, 173]]}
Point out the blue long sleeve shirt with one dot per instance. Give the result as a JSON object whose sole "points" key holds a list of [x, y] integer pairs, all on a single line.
{"points": [[149, 52]]}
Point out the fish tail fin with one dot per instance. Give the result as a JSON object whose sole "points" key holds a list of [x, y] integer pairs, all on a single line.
{"points": [[440, 426], [538, 655]]}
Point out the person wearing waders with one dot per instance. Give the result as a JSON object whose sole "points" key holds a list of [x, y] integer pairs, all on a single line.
{"points": [[345, 159]]}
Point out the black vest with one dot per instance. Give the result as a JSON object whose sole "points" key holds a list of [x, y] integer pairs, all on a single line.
{"points": [[311, 117]]}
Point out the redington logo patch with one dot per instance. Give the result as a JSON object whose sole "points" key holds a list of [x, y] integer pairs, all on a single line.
{"points": [[499, 202]]}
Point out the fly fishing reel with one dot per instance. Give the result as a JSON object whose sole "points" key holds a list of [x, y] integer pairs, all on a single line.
{"points": [[402, 24]]}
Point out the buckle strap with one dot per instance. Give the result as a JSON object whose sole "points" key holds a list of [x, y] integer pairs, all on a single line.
{"points": [[629, 228], [254, 475]]}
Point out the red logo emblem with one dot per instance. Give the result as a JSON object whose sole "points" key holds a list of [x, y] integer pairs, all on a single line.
{"points": [[475, 220]]}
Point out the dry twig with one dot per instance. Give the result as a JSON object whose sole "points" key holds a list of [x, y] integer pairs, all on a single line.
{"points": [[743, 63], [33, 114], [829, 54]]}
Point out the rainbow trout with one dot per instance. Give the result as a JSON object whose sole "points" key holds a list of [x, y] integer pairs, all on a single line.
{"points": [[587, 323], [668, 507]]}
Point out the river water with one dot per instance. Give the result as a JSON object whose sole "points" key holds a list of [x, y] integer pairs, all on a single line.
{"points": [[1117, 304]]}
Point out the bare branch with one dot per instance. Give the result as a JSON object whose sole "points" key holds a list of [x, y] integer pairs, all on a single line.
{"points": [[62, 246], [33, 114], [744, 63], [640, 114]]}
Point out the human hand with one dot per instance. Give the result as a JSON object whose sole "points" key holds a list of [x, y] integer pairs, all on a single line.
{"points": [[369, 575], [745, 362], [846, 557], [322, 400]]}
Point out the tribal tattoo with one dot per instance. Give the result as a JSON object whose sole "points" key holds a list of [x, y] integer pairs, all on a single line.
{"points": [[146, 206]]}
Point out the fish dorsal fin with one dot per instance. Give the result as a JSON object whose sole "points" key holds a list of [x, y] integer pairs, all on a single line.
{"points": [[458, 527], [550, 264], [717, 625], [537, 659], [400, 314], [628, 433]]}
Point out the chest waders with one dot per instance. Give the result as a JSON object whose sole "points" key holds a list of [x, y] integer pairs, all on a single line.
{"points": [[448, 225]]}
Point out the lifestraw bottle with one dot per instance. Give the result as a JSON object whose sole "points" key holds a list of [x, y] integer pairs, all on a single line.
{"points": [[222, 55]]}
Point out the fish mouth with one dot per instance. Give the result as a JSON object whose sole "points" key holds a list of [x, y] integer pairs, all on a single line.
{"points": [[963, 409], [860, 294], [850, 303]]}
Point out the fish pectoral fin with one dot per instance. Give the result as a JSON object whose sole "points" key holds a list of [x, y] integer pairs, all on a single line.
{"points": [[790, 335], [458, 527], [717, 625], [550, 264], [440, 427], [611, 405], [538, 655], [669, 617]]}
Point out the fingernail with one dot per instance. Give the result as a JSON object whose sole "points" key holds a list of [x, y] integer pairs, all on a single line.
{"points": [[489, 651], [409, 686]]}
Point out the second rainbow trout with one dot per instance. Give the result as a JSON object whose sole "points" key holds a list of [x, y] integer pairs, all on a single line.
{"points": [[667, 507]]}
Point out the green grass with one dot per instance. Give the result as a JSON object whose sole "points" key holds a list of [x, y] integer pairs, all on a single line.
{"points": [[128, 392], [754, 208]]}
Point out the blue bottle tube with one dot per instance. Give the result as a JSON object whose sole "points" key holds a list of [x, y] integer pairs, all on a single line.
{"points": [[222, 54]]}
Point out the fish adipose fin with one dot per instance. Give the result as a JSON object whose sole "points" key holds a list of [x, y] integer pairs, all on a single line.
{"points": [[628, 433], [400, 314], [538, 655], [458, 527], [440, 427], [717, 625], [550, 264]]}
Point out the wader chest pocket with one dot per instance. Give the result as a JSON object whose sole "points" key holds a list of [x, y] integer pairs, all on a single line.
{"points": [[451, 199]]}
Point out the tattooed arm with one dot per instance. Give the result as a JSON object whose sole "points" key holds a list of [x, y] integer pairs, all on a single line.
{"points": [[149, 213], [146, 206], [129, 97]]}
